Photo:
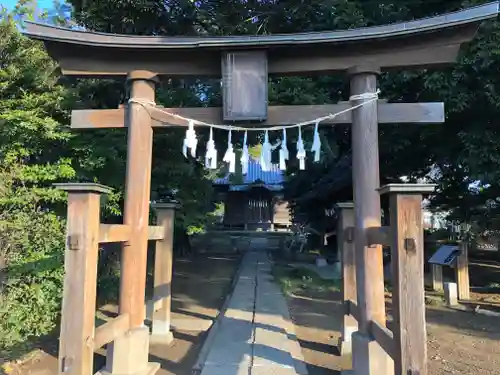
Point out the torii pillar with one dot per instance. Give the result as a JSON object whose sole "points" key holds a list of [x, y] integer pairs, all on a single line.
{"points": [[368, 356], [129, 353]]}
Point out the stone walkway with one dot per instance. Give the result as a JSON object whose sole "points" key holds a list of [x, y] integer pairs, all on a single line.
{"points": [[254, 335]]}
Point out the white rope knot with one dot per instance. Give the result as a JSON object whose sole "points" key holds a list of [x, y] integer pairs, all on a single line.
{"points": [[364, 96], [142, 101]]}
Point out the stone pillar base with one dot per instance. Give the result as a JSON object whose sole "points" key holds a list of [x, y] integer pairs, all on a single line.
{"points": [[368, 357], [161, 338], [129, 355], [160, 331]]}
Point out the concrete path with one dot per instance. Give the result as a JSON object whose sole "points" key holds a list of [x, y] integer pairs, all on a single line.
{"points": [[254, 335]]}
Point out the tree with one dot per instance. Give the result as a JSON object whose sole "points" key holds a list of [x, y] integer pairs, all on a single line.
{"points": [[33, 155]]}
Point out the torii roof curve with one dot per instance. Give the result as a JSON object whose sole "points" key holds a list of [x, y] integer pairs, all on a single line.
{"points": [[414, 44]]}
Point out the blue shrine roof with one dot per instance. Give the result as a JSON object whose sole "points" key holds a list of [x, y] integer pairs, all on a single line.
{"points": [[272, 179]]}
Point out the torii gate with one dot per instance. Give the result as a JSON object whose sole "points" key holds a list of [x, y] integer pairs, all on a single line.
{"points": [[362, 53]]}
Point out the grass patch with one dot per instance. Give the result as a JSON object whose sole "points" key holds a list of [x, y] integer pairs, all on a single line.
{"points": [[434, 300], [293, 280], [387, 287]]}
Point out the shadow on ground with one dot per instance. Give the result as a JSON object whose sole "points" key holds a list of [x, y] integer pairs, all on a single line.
{"points": [[200, 285], [199, 288]]}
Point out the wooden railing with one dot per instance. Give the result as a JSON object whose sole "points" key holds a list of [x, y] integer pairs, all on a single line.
{"points": [[406, 344], [79, 337]]}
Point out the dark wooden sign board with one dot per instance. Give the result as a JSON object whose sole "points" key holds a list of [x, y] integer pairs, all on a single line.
{"points": [[446, 255]]}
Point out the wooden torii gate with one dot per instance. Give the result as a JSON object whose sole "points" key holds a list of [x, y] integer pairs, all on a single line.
{"points": [[362, 54]]}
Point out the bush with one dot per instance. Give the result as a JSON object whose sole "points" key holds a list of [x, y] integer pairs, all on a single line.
{"points": [[32, 243]]}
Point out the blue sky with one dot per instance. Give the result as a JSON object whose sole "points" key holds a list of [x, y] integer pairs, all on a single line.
{"points": [[41, 3]]}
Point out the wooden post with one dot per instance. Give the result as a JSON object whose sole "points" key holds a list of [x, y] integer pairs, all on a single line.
{"points": [[366, 181], [437, 277], [462, 272], [165, 213], [368, 357], [345, 247], [137, 193], [407, 251], [76, 349], [129, 354]]}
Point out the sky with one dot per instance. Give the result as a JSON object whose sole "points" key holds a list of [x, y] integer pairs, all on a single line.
{"points": [[41, 3]]}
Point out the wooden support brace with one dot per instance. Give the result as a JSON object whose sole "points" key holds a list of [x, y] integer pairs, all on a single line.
{"points": [[407, 249], [384, 337], [76, 352], [156, 233], [114, 233], [345, 247], [351, 308], [111, 330], [381, 334], [378, 236]]}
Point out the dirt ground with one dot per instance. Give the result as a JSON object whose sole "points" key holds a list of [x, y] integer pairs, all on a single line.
{"points": [[458, 342], [199, 287]]}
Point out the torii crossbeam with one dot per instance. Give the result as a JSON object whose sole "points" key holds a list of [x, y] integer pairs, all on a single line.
{"points": [[388, 113], [362, 54]]}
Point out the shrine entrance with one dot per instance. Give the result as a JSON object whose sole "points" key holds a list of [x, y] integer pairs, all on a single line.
{"points": [[245, 63], [260, 208]]}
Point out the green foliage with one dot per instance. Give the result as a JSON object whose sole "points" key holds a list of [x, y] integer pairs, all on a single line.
{"points": [[33, 155], [30, 302]]}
